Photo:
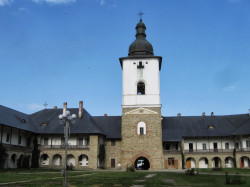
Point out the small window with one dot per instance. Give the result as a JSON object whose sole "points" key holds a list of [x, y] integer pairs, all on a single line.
{"points": [[86, 141], [176, 146], [7, 137], [80, 141], [237, 145], [227, 145], [46, 141], [112, 142], [62, 141], [167, 146], [20, 140], [247, 143], [140, 88], [204, 146], [140, 66], [141, 128]]}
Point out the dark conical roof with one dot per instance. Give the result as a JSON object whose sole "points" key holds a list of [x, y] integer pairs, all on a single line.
{"points": [[140, 46]]}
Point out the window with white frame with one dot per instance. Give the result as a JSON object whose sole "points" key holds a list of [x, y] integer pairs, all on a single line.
{"points": [[247, 143], [141, 128], [204, 146], [227, 145]]}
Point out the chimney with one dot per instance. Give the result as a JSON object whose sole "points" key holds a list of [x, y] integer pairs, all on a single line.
{"points": [[212, 113], [105, 114], [179, 114], [203, 114], [55, 107], [80, 109], [64, 107]]}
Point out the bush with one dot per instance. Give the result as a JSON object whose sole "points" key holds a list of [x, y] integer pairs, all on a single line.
{"points": [[70, 167], [237, 179], [130, 168], [217, 169], [190, 171]]}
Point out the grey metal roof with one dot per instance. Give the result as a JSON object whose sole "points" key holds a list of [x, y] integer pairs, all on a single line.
{"points": [[84, 125], [175, 128], [16, 119], [110, 125]]}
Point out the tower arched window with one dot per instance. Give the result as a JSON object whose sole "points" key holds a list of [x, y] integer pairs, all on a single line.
{"points": [[141, 128], [140, 88]]}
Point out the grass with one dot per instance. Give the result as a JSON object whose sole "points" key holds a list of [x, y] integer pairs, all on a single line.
{"points": [[53, 178]]}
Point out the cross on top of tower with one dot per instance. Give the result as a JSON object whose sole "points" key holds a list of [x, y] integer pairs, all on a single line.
{"points": [[140, 14]]}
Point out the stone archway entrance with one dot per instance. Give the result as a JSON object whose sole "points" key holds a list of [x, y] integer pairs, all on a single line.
{"points": [[142, 163]]}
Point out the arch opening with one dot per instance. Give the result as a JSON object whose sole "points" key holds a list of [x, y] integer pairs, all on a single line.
{"points": [[142, 163], [203, 162], [83, 160], [140, 88]]}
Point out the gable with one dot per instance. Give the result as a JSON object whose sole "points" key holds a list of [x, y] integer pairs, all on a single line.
{"points": [[141, 111]]}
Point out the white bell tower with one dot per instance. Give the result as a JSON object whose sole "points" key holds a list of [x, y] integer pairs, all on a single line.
{"points": [[141, 73]]}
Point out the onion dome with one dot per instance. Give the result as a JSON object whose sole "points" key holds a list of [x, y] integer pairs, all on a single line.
{"points": [[140, 46]]}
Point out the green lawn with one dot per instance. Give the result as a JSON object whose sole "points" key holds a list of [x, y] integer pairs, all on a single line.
{"points": [[53, 178]]}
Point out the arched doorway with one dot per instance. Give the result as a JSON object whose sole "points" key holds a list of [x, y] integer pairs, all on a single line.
{"points": [[190, 162], [142, 163], [229, 162], [216, 162], [13, 161], [57, 160], [83, 160], [244, 162], [203, 162]]}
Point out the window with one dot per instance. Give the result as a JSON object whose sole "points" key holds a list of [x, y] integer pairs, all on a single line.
{"points": [[62, 141], [7, 137], [140, 66], [141, 128], [176, 146], [227, 145], [46, 141], [247, 143], [237, 145], [86, 141], [204, 146], [28, 142], [112, 163], [140, 88], [20, 140], [215, 147], [80, 141], [112, 142], [167, 146], [190, 147]]}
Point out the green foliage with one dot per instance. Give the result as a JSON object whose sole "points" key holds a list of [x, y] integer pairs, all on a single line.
{"points": [[102, 155], [190, 171], [35, 154], [237, 179], [26, 162], [2, 154], [183, 160], [130, 168]]}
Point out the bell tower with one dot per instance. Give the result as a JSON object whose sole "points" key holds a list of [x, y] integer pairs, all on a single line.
{"points": [[141, 107]]}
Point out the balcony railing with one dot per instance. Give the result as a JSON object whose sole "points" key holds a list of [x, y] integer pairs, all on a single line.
{"points": [[63, 146], [10, 147], [174, 151], [208, 151]]}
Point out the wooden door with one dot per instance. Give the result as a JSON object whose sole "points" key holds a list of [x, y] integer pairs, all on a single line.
{"points": [[112, 163], [242, 163], [188, 163], [176, 164]]}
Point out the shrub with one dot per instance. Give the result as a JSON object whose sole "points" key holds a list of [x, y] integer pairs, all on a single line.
{"points": [[70, 167], [190, 171], [217, 169], [130, 168]]}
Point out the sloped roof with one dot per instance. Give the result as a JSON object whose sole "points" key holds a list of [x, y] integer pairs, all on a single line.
{"points": [[175, 128], [84, 125], [111, 125], [16, 119]]}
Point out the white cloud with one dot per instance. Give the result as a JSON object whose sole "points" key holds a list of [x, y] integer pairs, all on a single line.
{"points": [[5, 2], [229, 88], [102, 2], [54, 1]]}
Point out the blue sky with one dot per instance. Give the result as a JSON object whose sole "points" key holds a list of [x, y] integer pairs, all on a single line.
{"points": [[68, 50]]}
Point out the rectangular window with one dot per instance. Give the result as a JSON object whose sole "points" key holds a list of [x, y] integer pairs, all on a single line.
{"points": [[167, 146], [112, 142], [227, 145], [62, 141], [215, 147], [247, 143], [7, 137], [46, 141], [86, 141], [176, 146], [204, 146], [20, 140], [80, 141], [141, 131], [190, 147], [237, 145]]}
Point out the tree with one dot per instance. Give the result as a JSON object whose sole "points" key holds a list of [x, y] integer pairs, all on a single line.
{"points": [[35, 154], [102, 155], [2, 154]]}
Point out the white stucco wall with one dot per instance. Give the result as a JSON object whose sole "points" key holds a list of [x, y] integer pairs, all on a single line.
{"points": [[149, 75]]}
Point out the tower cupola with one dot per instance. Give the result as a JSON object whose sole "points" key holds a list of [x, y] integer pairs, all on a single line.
{"points": [[140, 46]]}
